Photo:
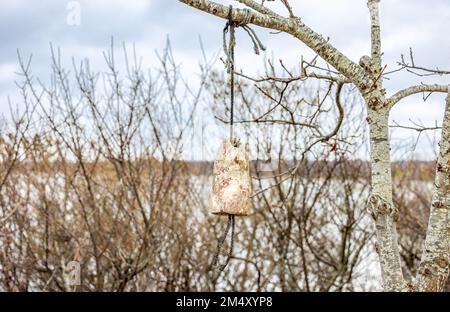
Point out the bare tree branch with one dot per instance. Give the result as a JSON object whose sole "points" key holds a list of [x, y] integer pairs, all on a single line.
{"points": [[420, 71], [259, 7], [295, 27], [414, 90], [289, 8], [375, 34]]}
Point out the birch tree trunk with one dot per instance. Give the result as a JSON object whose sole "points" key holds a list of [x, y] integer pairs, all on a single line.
{"points": [[380, 203], [434, 267]]}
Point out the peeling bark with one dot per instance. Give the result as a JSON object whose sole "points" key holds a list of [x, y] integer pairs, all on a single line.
{"points": [[434, 267]]}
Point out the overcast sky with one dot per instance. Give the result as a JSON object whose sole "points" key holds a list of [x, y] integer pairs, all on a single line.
{"points": [[423, 25]]}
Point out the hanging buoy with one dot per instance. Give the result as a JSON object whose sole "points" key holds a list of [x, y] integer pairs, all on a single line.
{"points": [[231, 190], [231, 181]]}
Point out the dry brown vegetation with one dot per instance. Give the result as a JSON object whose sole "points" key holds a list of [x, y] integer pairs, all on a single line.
{"points": [[92, 171]]}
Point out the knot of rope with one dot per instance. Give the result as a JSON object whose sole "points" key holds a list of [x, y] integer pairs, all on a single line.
{"points": [[229, 51], [230, 27]]}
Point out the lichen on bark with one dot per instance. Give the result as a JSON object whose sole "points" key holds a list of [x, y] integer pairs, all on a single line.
{"points": [[434, 267]]}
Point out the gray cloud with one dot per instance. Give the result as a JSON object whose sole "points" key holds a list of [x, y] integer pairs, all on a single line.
{"points": [[31, 25]]}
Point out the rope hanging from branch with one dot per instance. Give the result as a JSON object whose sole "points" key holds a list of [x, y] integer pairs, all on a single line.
{"points": [[232, 184], [229, 52], [220, 243]]}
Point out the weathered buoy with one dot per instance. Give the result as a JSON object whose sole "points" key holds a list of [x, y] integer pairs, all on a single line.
{"points": [[231, 175], [231, 180]]}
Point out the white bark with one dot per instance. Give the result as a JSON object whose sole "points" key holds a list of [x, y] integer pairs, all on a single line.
{"points": [[380, 203], [434, 267], [375, 34]]}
